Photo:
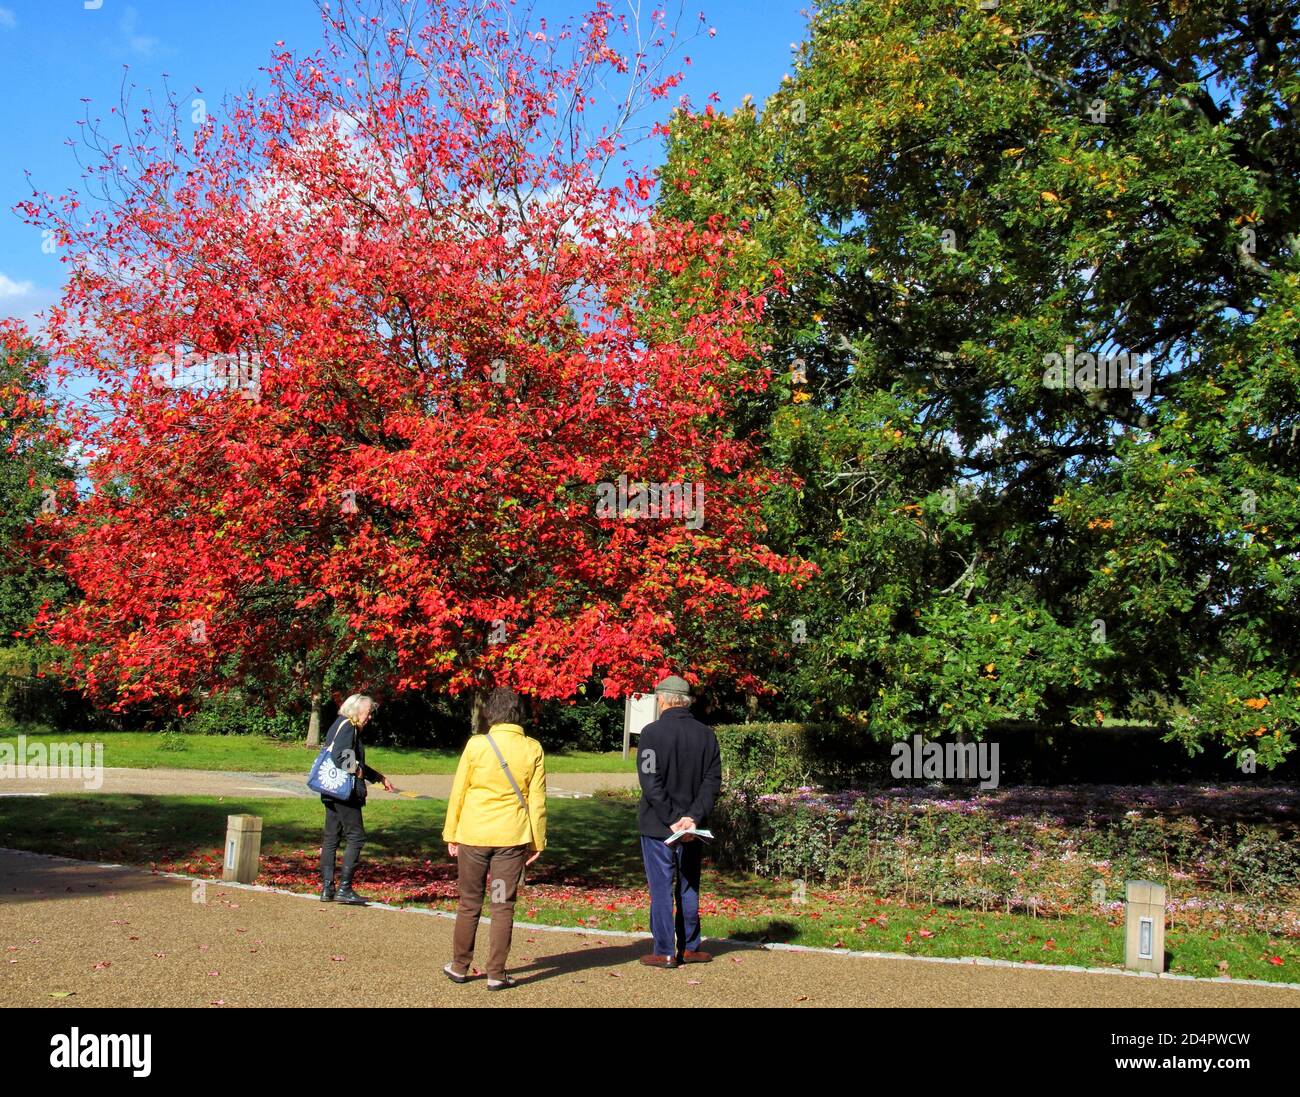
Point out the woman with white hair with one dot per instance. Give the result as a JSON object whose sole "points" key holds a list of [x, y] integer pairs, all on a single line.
{"points": [[343, 817]]}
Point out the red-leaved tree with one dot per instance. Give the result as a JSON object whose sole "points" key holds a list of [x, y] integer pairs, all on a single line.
{"points": [[383, 362]]}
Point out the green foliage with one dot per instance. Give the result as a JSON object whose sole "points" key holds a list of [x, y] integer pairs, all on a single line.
{"points": [[32, 698], [587, 725], [990, 860], [30, 466], [232, 713], [172, 742], [777, 757], [771, 758], [938, 200]]}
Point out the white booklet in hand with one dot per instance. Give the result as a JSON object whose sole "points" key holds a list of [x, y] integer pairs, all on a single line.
{"points": [[707, 835]]}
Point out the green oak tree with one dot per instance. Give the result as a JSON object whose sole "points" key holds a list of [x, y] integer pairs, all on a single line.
{"points": [[1033, 290]]}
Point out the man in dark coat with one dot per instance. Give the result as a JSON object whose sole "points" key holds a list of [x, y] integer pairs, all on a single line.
{"points": [[680, 769]]}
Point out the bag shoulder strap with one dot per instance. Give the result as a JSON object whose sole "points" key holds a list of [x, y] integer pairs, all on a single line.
{"points": [[509, 776], [335, 737]]}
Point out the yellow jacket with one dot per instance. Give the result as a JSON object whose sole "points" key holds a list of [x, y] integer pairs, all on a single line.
{"points": [[483, 809]]}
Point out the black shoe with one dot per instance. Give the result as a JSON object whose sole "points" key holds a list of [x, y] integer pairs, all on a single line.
{"points": [[327, 893], [348, 896]]}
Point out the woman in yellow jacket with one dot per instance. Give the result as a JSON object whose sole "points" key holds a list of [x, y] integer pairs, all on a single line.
{"points": [[496, 825]]}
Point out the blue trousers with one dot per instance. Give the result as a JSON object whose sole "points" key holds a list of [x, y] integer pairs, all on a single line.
{"points": [[673, 934]]}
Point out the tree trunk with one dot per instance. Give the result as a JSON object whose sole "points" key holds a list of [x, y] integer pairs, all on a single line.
{"points": [[477, 720], [313, 725]]}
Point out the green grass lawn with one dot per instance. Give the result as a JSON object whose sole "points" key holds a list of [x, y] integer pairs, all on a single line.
{"points": [[255, 754], [591, 876]]}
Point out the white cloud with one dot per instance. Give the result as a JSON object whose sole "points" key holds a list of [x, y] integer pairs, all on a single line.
{"points": [[24, 300], [7, 19], [138, 45], [10, 288]]}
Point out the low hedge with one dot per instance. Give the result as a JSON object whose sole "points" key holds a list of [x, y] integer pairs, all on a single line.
{"points": [[1028, 849]]}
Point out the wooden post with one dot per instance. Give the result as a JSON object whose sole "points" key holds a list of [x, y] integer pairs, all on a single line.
{"points": [[243, 848], [1144, 926]]}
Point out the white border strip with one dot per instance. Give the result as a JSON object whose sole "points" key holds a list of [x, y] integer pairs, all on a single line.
{"points": [[588, 931]]}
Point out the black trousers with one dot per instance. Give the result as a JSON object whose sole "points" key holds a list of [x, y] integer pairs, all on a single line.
{"points": [[342, 821]]}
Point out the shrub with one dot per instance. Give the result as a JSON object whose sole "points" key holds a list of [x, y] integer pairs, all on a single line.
{"points": [[230, 713], [777, 757], [991, 853], [33, 699], [587, 725]]}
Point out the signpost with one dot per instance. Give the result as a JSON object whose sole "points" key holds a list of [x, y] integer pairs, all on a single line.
{"points": [[638, 710]]}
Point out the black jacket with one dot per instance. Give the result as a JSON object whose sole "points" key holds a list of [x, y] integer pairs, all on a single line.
{"points": [[345, 739], [680, 769]]}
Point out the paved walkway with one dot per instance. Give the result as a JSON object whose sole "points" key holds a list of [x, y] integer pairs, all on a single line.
{"points": [[204, 782], [80, 934]]}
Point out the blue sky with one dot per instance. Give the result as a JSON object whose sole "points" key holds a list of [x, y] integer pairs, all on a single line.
{"points": [[56, 53]]}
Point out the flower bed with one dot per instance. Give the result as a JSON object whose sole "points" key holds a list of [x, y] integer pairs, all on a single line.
{"points": [[1226, 854]]}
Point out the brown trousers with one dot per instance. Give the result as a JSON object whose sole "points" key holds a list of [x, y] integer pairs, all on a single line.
{"points": [[506, 866]]}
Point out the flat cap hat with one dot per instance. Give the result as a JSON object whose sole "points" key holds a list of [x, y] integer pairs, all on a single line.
{"points": [[673, 684]]}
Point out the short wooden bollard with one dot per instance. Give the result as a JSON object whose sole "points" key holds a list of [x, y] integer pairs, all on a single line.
{"points": [[1144, 926], [243, 848]]}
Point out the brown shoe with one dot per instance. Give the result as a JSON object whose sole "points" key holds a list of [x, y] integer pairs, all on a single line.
{"points": [[696, 957], [651, 960]]}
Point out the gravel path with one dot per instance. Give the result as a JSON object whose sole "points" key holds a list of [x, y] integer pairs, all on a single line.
{"points": [[89, 935], [203, 782]]}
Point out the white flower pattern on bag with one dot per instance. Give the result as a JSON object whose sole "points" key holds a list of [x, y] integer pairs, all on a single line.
{"points": [[330, 776]]}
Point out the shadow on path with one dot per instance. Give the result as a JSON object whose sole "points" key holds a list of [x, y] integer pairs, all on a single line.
{"points": [[594, 958]]}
